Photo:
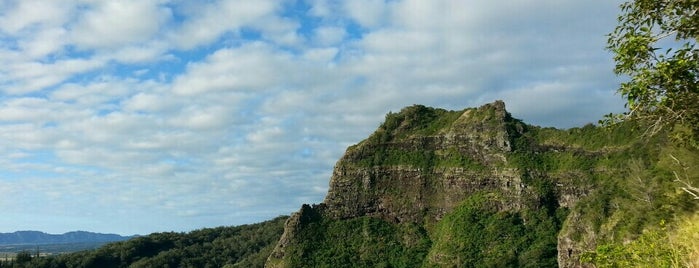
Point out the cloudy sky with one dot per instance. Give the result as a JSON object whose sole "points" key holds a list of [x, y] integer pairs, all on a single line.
{"points": [[137, 116]]}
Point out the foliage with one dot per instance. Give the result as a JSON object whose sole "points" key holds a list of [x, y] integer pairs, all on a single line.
{"points": [[651, 249], [632, 181], [637, 190], [241, 246], [663, 73], [23, 257], [675, 245], [414, 120], [359, 242], [655, 46], [685, 238], [477, 234]]}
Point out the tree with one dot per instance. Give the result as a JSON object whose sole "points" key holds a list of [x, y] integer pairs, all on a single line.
{"points": [[655, 46], [23, 257]]}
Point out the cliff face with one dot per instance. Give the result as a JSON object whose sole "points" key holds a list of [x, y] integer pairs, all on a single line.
{"points": [[408, 194], [409, 177]]}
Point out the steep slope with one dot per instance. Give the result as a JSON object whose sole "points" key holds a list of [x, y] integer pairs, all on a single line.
{"points": [[422, 163], [401, 186], [476, 187]]}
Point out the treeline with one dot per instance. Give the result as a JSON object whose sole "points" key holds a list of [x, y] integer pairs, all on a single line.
{"points": [[239, 246]]}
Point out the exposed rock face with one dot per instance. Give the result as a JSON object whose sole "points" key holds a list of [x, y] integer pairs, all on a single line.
{"points": [[408, 193], [422, 163]]}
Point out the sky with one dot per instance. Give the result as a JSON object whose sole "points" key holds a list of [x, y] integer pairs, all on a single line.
{"points": [[140, 116]]}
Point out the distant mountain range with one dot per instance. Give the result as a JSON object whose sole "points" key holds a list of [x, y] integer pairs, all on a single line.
{"points": [[39, 238]]}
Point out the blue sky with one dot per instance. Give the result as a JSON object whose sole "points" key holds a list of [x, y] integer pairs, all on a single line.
{"points": [[137, 116]]}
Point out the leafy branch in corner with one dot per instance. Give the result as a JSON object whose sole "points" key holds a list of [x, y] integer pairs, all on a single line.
{"points": [[655, 46]]}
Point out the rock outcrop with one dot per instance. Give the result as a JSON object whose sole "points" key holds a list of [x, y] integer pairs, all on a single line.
{"points": [[422, 163], [420, 187]]}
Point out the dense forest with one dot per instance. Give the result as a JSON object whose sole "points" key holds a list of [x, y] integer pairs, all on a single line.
{"points": [[239, 246]]}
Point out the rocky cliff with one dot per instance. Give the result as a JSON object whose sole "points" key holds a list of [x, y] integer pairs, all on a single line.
{"points": [[475, 187], [403, 175]]}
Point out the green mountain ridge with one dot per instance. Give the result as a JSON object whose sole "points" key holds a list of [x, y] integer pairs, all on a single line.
{"points": [[39, 238], [478, 188], [469, 188]]}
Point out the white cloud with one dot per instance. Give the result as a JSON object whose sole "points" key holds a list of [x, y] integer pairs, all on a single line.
{"points": [[329, 36], [320, 8], [278, 30], [25, 109], [142, 53], [207, 22], [202, 118], [321, 55], [18, 16], [44, 42], [144, 102], [146, 109], [94, 95], [368, 13], [253, 67], [113, 24], [26, 77]]}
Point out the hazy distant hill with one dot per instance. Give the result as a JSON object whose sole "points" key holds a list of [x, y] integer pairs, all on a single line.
{"points": [[39, 238]]}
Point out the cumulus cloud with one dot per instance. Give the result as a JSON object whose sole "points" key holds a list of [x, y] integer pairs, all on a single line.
{"points": [[175, 115], [207, 22], [368, 13], [112, 24], [252, 67], [19, 16]]}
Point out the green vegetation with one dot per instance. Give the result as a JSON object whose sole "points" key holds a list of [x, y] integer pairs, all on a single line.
{"points": [[633, 186], [477, 234], [650, 249], [655, 46], [414, 120], [240, 246], [626, 211], [359, 242], [615, 184], [657, 246]]}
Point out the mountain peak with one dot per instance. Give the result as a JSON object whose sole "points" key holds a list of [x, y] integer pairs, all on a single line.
{"points": [[416, 167]]}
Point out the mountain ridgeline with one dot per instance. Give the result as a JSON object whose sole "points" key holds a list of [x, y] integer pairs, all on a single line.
{"points": [[478, 188], [238, 246], [470, 188], [40, 238]]}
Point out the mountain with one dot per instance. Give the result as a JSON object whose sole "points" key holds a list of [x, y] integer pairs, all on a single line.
{"points": [[479, 188], [39, 238], [469, 188]]}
